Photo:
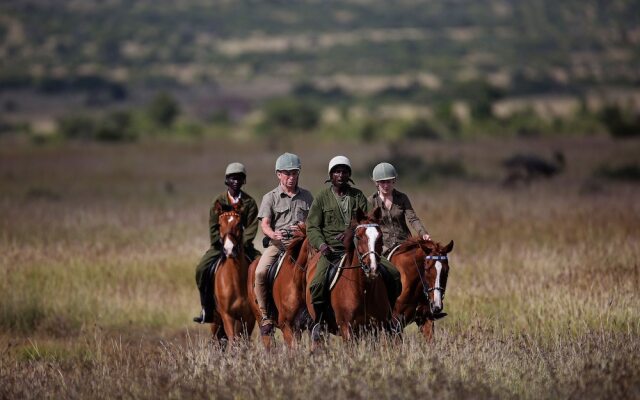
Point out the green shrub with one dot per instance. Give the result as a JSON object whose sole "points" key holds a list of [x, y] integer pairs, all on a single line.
{"points": [[163, 110], [620, 122]]}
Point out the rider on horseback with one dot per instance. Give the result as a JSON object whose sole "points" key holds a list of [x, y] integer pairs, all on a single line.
{"points": [[235, 177], [280, 212], [329, 216], [396, 209]]}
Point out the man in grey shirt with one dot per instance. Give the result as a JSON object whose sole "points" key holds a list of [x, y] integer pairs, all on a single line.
{"points": [[280, 211]]}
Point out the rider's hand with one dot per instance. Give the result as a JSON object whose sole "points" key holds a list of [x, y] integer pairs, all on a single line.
{"points": [[277, 235], [325, 249], [426, 236]]}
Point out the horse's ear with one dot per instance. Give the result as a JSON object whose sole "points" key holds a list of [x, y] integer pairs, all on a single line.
{"points": [[360, 215], [218, 208], [448, 247], [376, 214], [236, 207]]}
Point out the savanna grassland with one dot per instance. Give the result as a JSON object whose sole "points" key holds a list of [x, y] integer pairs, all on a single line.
{"points": [[98, 246]]}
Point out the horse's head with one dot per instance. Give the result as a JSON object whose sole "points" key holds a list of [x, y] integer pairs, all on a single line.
{"points": [[435, 273], [230, 229], [367, 240]]}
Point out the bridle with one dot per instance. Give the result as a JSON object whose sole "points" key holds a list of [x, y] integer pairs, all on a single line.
{"points": [[234, 238], [361, 256], [426, 289]]}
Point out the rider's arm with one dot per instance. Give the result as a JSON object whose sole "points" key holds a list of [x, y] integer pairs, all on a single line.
{"points": [[252, 222], [214, 226], [315, 222], [412, 217]]}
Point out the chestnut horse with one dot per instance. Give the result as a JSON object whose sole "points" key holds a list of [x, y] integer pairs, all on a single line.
{"points": [[359, 298], [233, 311], [287, 291], [424, 269]]}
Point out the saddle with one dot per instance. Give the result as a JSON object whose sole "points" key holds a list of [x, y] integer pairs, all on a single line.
{"points": [[272, 273]]}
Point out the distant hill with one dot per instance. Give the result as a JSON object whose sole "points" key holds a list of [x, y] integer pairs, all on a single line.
{"points": [[551, 44]]}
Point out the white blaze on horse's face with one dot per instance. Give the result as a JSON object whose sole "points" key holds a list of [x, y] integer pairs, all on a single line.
{"points": [[437, 294], [372, 233], [228, 246]]}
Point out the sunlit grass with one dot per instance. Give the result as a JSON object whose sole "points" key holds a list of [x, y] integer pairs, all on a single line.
{"points": [[97, 287]]}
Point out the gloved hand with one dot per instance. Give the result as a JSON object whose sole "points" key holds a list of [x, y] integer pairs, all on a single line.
{"points": [[325, 249]]}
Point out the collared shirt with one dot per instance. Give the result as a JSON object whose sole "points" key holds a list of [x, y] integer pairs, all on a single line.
{"points": [[394, 221], [284, 211], [326, 219]]}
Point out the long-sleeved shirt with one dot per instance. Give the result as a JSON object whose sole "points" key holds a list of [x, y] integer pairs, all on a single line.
{"points": [[248, 213], [326, 220], [394, 221]]}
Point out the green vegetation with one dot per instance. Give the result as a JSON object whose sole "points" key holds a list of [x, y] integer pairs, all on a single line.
{"points": [[455, 66]]}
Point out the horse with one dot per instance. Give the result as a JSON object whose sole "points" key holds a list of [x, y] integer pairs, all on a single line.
{"points": [[359, 298], [233, 317], [287, 291], [424, 269]]}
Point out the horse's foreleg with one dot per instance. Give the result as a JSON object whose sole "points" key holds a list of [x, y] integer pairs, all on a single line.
{"points": [[289, 336], [229, 324], [427, 330]]}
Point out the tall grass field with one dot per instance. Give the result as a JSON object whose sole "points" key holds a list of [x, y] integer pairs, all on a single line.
{"points": [[98, 246]]}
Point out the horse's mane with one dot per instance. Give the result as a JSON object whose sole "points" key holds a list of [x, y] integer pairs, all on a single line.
{"points": [[410, 244]]}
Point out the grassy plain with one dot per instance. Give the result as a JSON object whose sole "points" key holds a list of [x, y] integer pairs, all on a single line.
{"points": [[98, 245]]}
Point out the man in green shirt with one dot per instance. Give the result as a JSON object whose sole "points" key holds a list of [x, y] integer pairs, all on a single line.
{"points": [[330, 215], [235, 177]]}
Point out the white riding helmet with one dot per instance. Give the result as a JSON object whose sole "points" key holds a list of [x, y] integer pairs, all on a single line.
{"points": [[235, 168], [384, 171], [338, 160], [288, 162]]}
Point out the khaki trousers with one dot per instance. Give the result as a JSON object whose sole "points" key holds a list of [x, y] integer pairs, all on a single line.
{"points": [[268, 257]]}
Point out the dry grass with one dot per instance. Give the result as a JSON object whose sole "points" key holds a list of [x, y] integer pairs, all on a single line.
{"points": [[99, 244]]}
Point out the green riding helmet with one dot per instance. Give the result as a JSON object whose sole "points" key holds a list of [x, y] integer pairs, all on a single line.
{"points": [[288, 162], [384, 171], [338, 160]]}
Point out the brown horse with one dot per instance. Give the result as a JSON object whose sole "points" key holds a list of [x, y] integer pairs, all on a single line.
{"points": [[288, 290], [424, 269], [359, 298], [233, 311]]}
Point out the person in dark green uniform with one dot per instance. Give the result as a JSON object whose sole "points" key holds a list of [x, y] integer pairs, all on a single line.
{"points": [[329, 216], [235, 177]]}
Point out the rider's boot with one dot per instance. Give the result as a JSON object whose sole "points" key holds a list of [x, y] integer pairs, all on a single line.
{"points": [[317, 332], [208, 306], [266, 323]]}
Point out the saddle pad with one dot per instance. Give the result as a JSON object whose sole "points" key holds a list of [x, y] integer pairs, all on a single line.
{"points": [[337, 272], [278, 264]]}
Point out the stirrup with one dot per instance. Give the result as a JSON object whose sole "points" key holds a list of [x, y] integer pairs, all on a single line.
{"points": [[317, 333]]}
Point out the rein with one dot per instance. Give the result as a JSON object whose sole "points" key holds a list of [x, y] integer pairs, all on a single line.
{"points": [[361, 257]]}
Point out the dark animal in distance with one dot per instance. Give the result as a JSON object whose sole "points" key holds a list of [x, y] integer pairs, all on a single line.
{"points": [[526, 168]]}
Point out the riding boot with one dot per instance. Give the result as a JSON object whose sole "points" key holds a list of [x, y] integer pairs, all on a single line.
{"points": [[205, 287], [390, 285], [317, 332]]}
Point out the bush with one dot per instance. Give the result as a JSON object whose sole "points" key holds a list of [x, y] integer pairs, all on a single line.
{"points": [[619, 122], [627, 172], [290, 114], [163, 110], [115, 127], [77, 127]]}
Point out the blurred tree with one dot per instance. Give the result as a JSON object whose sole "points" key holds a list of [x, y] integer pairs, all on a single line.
{"points": [[163, 109]]}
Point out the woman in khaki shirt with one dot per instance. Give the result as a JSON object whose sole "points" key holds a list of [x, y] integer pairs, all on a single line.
{"points": [[396, 208]]}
